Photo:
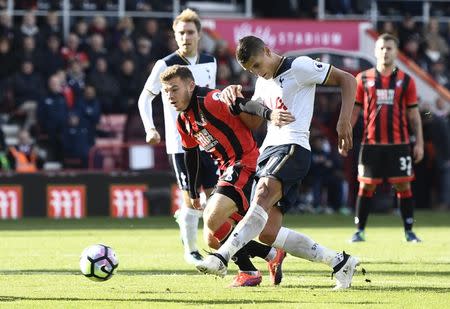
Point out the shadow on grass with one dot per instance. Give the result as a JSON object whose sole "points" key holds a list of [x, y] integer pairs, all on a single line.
{"points": [[180, 272], [426, 219], [181, 301], [371, 288]]}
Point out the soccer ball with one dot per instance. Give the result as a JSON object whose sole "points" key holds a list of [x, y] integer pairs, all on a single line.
{"points": [[98, 262]]}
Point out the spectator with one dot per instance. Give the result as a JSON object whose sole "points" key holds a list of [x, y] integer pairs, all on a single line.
{"points": [[435, 45], [75, 142], [51, 58], [125, 51], [76, 78], [143, 56], [439, 72], [28, 27], [88, 108], [4, 161], [81, 29], [100, 26], [125, 27], [52, 114], [108, 89], [8, 63], [23, 157], [30, 52], [6, 26], [129, 86], [326, 176], [28, 90], [51, 26], [408, 31], [72, 51], [96, 49]]}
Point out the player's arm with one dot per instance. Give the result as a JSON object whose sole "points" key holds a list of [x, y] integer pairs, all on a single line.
{"points": [[278, 117], [347, 83], [151, 90], [415, 123], [191, 160]]}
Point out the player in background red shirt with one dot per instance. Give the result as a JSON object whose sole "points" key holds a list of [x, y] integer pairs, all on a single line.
{"points": [[387, 97], [207, 122]]}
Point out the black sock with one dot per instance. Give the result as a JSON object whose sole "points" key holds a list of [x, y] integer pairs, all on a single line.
{"points": [[363, 205], [406, 206], [242, 258], [255, 248]]}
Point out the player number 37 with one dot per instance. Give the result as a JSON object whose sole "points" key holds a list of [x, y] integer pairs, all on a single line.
{"points": [[405, 164]]}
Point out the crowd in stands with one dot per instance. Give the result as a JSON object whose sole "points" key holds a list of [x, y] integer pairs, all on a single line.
{"points": [[57, 90]]}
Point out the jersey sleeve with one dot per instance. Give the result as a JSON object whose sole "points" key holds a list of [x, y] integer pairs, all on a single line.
{"points": [[411, 94], [214, 105], [153, 84], [187, 141], [359, 98], [309, 71]]}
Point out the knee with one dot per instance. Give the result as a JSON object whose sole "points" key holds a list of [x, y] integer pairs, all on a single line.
{"points": [[261, 193]]}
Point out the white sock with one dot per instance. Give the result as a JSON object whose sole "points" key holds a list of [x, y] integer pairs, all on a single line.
{"points": [[302, 246], [188, 222], [271, 255], [248, 228]]}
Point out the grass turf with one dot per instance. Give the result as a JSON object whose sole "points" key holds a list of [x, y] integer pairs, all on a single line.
{"points": [[39, 266]]}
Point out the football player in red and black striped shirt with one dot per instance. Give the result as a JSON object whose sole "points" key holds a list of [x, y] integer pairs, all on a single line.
{"points": [[387, 97], [207, 122]]}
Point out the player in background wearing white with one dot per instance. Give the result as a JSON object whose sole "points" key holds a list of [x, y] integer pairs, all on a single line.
{"points": [[289, 84], [186, 27]]}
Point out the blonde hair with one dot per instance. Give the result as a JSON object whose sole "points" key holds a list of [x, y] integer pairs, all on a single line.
{"points": [[186, 16], [176, 71]]}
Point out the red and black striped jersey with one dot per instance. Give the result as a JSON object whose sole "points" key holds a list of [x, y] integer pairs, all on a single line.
{"points": [[385, 101], [208, 122]]}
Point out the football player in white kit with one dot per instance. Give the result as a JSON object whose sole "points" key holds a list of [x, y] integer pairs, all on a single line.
{"points": [[289, 84], [186, 27]]}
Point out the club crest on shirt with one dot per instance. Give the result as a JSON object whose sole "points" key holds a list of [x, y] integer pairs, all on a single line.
{"points": [[318, 66], [399, 83], [216, 96]]}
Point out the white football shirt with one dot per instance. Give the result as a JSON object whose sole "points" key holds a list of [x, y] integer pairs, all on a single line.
{"points": [[204, 71], [293, 88]]}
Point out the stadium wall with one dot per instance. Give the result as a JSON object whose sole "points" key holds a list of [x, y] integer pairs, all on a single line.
{"points": [[77, 195]]}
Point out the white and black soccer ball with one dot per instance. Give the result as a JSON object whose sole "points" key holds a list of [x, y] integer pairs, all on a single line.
{"points": [[98, 262]]}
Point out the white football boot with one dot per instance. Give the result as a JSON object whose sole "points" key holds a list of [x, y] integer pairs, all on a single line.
{"points": [[213, 264], [344, 271]]}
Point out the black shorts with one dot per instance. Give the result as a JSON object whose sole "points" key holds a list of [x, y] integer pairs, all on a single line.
{"points": [[289, 164], [236, 183], [391, 162], [208, 171]]}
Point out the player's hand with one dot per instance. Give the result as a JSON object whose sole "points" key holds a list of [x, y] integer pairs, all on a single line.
{"points": [[229, 94], [281, 117], [196, 203], [418, 153], [153, 137], [345, 136]]}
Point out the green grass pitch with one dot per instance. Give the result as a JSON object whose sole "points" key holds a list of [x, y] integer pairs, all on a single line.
{"points": [[39, 267]]}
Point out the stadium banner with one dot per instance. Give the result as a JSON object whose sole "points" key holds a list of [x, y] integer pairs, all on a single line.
{"points": [[11, 202], [128, 201], [288, 35], [66, 201]]}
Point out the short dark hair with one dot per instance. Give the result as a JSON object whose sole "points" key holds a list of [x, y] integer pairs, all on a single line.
{"points": [[249, 46], [389, 37], [176, 71]]}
